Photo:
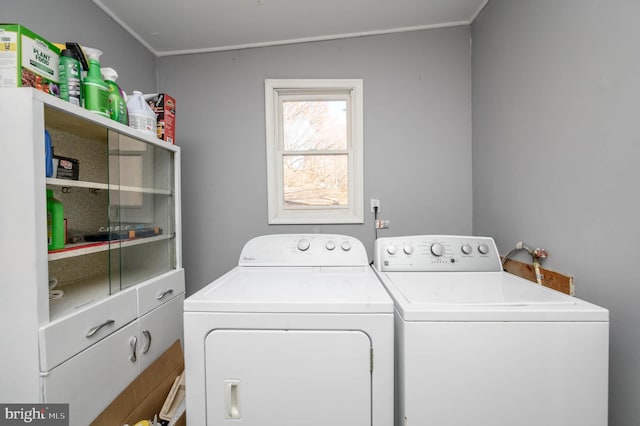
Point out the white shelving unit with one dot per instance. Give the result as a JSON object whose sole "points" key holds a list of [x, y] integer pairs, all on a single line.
{"points": [[122, 298]]}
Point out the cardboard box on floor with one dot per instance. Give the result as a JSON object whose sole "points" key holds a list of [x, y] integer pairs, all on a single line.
{"points": [[145, 395]]}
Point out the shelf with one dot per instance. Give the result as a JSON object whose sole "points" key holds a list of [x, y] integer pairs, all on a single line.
{"points": [[76, 183], [81, 293], [78, 294], [127, 179], [70, 118], [96, 185], [81, 249]]}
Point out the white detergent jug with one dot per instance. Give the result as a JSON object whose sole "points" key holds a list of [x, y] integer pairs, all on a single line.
{"points": [[141, 116]]}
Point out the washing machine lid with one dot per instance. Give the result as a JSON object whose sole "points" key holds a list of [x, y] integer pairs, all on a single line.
{"points": [[293, 289], [482, 296]]}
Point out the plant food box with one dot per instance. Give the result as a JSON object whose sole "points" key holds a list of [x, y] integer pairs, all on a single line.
{"points": [[165, 108], [28, 60]]}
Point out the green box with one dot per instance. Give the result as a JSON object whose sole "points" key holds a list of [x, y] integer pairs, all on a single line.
{"points": [[28, 60]]}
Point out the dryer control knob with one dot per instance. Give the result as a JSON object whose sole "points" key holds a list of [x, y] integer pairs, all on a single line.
{"points": [[483, 248], [391, 249], [303, 244], [408, 249], [330, 245], [346, 246], [437, 249], [467, 249]]}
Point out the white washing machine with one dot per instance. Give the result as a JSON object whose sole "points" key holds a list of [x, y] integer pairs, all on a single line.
{"points": [[299, 333], [479, 346]]}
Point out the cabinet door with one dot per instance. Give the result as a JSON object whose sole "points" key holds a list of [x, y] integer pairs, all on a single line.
{"points": [[288, 378], [142, 201], [92, 379], [159, 329]]}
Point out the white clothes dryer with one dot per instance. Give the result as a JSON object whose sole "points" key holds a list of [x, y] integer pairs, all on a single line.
{"points": [[479, 346], [299, 333]]}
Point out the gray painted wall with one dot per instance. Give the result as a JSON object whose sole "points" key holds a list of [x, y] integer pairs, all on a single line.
{"points": [[555, 89], [81, 21], [555, 154], [417, 136]]}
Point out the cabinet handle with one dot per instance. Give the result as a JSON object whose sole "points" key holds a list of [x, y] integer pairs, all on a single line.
{"points": [[164, 293], [134, 343], [147, 345], [97, 328]]}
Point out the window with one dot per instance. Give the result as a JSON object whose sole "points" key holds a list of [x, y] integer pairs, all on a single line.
{"points": [[314, 151]]}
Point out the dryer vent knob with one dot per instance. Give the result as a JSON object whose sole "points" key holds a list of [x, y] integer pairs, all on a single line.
{"points": [[330, 245], [346, 245]]}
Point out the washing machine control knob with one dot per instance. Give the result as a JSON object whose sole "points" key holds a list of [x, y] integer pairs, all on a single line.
{"points": [[408, 249], [330, 245], [346, 246], [303, 244], [391, 249], [466, 248], [483, 248], [437, 249]]}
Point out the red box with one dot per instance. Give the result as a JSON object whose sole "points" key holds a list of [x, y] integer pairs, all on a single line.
{"points": [[165, 108]]}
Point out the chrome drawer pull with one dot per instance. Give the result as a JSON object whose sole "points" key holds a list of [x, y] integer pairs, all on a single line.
{"points": [[164, 293], [134, 343], [147, 345], [97, 328]]}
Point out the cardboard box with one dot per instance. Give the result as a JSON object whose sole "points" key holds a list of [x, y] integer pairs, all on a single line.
{"points": [[28, 60], [165, 108], [145, 396], [65, 168]]}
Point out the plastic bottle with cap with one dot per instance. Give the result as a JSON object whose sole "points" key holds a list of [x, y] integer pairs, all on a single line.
{"points": [[55, 222], [48, 154], [70, 72], [141, 116], [95, 90], [117, 98]]}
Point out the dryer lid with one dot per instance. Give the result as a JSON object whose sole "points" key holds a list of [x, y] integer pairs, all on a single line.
{"points": [[294, 289]]}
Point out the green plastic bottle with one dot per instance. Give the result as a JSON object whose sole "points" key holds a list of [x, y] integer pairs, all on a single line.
{"points": [[55, 222], [117, 103], [95, 90], [70, 73]]}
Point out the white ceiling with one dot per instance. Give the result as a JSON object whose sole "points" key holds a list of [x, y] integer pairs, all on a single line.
{"points": [[170, 27]]}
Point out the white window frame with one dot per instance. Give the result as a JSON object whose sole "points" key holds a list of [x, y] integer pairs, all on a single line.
{"points": [[275, 90]]}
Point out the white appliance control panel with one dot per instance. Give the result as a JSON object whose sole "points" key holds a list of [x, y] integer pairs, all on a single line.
{"points": [[437, 253], [304, 250]]}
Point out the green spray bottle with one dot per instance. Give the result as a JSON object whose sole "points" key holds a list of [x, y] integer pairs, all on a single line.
{"points": [[95, 90], [117, 100]]}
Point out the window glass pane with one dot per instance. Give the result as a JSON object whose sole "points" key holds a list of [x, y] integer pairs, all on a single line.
{"points": [[314, 125], [316, 180]]}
